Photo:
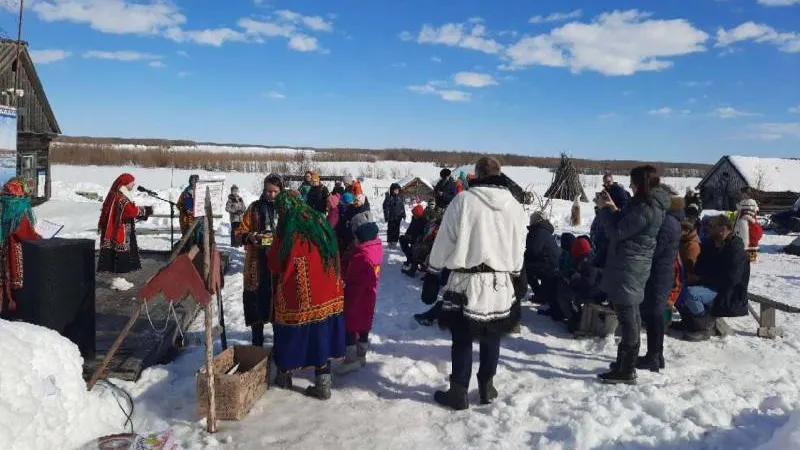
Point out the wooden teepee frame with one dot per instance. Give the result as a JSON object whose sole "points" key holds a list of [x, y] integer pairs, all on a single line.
{"points": [[566, 182]]}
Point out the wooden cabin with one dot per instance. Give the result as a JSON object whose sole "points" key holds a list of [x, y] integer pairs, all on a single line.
{"points": [[776, 182], [416, 187], [36, 122]]}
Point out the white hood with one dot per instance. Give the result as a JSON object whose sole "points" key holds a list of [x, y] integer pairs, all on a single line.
{"points": [[496, 198]]}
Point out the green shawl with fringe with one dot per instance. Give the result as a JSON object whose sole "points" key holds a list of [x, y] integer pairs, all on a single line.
{"points": [[297, 219], [13, 210]]}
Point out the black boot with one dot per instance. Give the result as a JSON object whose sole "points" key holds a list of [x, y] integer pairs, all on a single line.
{"points": [[455, 398], [487, 391], [410, 271], [651, 362], [257, 334], [624, 371]]}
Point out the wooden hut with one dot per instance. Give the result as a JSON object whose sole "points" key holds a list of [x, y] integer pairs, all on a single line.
{"points": [[416, 187], [775, 181], [36, 122]]}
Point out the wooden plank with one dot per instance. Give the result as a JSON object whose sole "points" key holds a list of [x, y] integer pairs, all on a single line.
{"points": [[780, 306]]}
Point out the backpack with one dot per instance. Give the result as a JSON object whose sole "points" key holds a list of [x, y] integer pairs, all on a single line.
{"points": [[678, 283]]}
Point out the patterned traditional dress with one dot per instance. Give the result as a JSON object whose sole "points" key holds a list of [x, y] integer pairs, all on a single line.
{"points": [[260, 218], [16, 226], [119, 252]]}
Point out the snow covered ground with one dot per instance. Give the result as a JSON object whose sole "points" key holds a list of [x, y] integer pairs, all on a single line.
{"points": [[739, 392]]}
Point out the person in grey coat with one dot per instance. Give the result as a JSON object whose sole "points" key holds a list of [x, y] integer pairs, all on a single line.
{"points": [[235, 208], [662, 278], [632, 234]]}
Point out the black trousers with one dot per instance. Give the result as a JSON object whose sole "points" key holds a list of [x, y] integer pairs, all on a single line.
{"points": [[630, 323], [393, 231], [654, 322], [461, 354], [354, 338], [235, 242], [406, 244]]}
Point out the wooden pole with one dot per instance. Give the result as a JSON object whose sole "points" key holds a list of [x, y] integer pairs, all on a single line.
{"points": [[115, 347], [211, 420]]}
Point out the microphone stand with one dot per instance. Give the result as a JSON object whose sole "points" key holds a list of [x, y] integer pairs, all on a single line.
{"points": [[172, 206]]}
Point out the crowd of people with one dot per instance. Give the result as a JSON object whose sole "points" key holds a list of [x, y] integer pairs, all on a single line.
{"points": [[313, 264]]}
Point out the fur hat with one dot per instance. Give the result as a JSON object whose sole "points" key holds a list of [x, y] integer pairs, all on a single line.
{"points": [[367, 232], [581, 248], [445, 173], [360, 219], [748, 205]]}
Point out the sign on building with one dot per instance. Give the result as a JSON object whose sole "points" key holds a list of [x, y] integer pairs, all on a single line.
{"points": [[8, 140]]}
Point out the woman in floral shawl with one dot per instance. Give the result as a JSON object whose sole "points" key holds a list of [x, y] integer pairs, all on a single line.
{"points": [[16, 225], [119, 252], [308, 300]]}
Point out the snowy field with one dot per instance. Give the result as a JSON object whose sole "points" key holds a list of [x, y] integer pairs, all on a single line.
{"points": [[739, 392]]}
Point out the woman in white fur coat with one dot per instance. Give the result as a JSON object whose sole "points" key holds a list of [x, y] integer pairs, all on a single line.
{"points": [[482, 242]]}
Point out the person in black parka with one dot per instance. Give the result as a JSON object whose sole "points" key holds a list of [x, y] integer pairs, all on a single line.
{"points": [[394, 212], [618, 194], [632, 234], [541, 259], [317, 196], [445, 189], [661, 281]]}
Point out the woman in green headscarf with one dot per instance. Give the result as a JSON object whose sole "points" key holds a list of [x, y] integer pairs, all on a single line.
{"points": [[308, 300], [16, 225]]}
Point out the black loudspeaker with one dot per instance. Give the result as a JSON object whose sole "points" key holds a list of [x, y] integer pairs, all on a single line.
{"points": [[58, 290]]}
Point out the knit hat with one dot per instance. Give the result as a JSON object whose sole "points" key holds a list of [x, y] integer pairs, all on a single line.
{"points": [[360, 219], [537, 217], [356, 188], [581, 248], [445, 173], [233, 186], [348, 198], [367, 232], [748, 205], [418, 211], [347, 180]]}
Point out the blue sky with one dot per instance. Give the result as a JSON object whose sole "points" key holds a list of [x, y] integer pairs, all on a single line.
{"points": [[678, 81]]}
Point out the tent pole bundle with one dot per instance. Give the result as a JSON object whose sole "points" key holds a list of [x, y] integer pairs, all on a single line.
{"points": [[566, 182]]}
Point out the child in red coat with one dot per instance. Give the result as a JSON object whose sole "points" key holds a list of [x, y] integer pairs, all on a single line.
{"points": [[360, 295]]}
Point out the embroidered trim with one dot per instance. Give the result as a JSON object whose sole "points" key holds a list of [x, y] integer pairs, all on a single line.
{"points": [[305, 312]]}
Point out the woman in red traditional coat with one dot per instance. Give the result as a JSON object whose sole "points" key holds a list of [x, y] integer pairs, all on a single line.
{"points": [[119, 252], [16, 225], [308, 303]]}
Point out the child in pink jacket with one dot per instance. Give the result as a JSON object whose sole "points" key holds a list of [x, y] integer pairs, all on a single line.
{"points": [[360, 295]]}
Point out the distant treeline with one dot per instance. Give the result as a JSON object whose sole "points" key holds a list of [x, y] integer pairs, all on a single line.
{"points": [[104, 151]]}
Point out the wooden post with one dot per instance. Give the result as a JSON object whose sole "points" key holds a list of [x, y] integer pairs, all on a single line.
{"points": [[211, 419]]}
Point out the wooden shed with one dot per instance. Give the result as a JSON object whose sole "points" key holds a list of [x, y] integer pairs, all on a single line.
{"points": [[776, 182], [36, 122], [416, 187]]}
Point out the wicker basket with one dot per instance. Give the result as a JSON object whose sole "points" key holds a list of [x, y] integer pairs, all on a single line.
{"points": [[235, 394]]}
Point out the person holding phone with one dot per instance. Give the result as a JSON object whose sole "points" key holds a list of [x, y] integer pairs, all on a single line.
{"points": [[256, 231]]}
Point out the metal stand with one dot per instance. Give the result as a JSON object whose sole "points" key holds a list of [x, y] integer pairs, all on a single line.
{"points": [[172, 206]]}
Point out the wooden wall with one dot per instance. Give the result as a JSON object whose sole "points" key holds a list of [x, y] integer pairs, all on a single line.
{"points": [[39, 146], [721, 192]]}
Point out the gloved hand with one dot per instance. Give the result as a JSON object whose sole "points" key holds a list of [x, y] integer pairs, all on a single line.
{"points": [[430, 288]]}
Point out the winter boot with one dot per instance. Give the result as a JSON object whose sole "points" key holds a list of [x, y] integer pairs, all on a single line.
{"points": [[424, 319], [284, 380], [351, 362], [321, 388], [455, 398], [411, 271], [363, 348], [624, 371], [487, 391], [651, 362]]}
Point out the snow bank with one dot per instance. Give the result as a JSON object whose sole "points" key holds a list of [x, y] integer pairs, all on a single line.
{"points": [[44, 403], [785, 437]]}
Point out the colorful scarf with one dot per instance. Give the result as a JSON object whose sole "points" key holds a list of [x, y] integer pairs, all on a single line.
{"points": [[297, 219], [15, 205]]}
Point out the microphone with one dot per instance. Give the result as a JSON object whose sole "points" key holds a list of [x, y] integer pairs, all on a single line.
{"points": [[145, 190]]}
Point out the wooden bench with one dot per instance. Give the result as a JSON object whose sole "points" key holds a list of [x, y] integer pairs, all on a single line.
{"points": [[767, 325]]}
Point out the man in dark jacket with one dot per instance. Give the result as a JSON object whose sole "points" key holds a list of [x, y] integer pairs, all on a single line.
{"points": [[660, 283], [414, 233], [445, 189], [317, 197], [719, 286], [394, 212], [618, 194], [541, 258]]}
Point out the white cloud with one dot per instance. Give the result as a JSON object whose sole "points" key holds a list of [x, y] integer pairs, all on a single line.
{"points": [[470, 36], [615, 44], [275, 95], [696, 83], [315, 23], [788, 42], [731, 113], [183, 74], [794, 109], [668, 112], [778, 2], [399, 65], [474, 79], [182, 53], [774, 131], [113, 16], [303, 43], [49, 56], [287, 25], [157, 65], [214, 37], [450, 95], [556, 17], [436, 59], [122, 55]]}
